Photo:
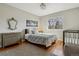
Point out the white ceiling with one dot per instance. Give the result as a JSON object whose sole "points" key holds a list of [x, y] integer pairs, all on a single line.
{"points": [[35, 9]]}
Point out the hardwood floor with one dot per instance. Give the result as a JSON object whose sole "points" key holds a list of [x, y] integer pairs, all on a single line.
{"points": [[56, 47]]}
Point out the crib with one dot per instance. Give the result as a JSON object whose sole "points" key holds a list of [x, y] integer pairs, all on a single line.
{"points": [[71, 37], [71, 42]]}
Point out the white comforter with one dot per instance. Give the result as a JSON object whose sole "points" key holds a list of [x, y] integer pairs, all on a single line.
{"points": [[41, 38]]}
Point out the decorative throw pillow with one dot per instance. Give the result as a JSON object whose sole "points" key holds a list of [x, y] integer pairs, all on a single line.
{"points": [[33, 32]]}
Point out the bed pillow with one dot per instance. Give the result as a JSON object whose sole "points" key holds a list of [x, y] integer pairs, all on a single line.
{"points": [[34, 31], [30, 31]]}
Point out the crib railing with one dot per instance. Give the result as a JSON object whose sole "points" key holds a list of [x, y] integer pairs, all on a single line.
{"points": [[71, 37]]}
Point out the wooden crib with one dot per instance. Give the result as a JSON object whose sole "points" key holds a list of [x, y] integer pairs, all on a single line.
{"points": [[71, 42], [71, 37]]}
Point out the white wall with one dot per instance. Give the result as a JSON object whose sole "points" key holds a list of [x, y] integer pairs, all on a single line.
{"points": [[70, 19], [7, 12]]}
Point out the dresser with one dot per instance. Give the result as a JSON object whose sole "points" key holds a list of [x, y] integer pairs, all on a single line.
{"points": [[8, 38]]}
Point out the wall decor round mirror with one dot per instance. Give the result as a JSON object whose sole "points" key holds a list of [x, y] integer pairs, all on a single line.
{"points": [[12, 23]]}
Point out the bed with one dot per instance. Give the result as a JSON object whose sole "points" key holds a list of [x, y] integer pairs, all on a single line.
{"points": [[45, 39]]}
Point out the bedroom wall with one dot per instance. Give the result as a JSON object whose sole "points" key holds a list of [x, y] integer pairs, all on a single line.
{"points": [[70, 20], [7, 12]]}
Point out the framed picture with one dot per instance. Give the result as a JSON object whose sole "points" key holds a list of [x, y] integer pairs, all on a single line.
{"points": [[31, 23], [55, 23]]}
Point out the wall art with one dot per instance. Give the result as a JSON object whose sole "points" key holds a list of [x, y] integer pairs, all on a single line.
{"points": [[31, 23], [55, 23]]}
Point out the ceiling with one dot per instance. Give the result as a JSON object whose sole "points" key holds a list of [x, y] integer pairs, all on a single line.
{"points": [[35, 9]]}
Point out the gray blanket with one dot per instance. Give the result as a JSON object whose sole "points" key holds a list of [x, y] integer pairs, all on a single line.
{"points": [[42, 39]]}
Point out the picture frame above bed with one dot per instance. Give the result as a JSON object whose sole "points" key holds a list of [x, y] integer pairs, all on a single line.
{"points": [[31, 23]]}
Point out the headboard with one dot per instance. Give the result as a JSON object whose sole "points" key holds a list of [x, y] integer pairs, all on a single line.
{"points": [[26, 31], [32, 31]]}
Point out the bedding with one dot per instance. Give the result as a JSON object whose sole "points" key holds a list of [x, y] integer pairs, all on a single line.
{"points": [[41, 38]]}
